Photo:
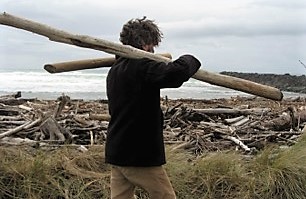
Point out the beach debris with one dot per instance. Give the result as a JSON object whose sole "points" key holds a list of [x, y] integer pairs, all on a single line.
{"points": [[197, 126]]}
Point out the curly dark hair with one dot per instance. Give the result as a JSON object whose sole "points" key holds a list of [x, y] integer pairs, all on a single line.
{"points": [[140, 32]]}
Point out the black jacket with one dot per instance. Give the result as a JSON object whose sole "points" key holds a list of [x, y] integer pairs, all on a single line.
{"points": [[135, 131]]}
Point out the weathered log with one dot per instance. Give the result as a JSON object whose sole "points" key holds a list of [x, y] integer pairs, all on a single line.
{"points": [[233, 120], [91, 138], [27, 125], [298, 116], [287, 120], [8, 111], [241, 122], [17, 141], [81, 121], [234, 111], [213, 125], [51, 128], [25, 107], [130, 52], [237, 141], [79, 65], [63, 101], [10, 118], [14, 122], [84, 64], [101, 117], [11, 101]]}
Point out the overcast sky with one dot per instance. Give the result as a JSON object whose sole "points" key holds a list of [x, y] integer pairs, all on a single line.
{"points": [[262, 36]]}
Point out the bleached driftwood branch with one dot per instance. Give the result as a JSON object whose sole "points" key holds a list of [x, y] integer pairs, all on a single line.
{"points": [[130, 52], [26, 125]]}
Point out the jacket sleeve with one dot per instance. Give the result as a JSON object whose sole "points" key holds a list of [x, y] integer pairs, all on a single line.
{"points": [[172, 74]]}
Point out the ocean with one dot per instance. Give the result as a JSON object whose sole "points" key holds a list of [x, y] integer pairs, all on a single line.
{"points": [[91, 85]]}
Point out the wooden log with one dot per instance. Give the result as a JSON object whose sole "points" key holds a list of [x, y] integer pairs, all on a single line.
{"points": [[17, 141], [101, 117], [237, 141], [27, 125], [286, 121], [91, 138], [214, 125], [9, 111], [10, 118], [11, 101], [241, 122], [233, 120], [234, 111], [130, 52], [64, 99], [85, 64], [14, 122], [79, 65], [25, 107], [52, 128]]}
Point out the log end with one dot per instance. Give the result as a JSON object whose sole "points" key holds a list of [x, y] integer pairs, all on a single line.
{"points": [[50, 68]]}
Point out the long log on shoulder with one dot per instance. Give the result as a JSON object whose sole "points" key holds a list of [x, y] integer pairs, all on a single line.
{"points": [[130, 52]]}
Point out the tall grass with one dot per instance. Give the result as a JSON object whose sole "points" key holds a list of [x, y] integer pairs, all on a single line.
{"points": [[281, 173], [63, 173], [69, 173], [217, 175]]}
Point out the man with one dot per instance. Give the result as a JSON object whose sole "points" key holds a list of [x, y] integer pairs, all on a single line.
{"points": [[134, 145]]}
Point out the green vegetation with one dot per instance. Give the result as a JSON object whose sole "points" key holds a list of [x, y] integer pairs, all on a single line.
{"points": [[66, 173]]}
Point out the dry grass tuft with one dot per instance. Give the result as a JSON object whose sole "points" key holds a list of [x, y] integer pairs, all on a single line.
{"points": [[69, 173], [63, 173]]}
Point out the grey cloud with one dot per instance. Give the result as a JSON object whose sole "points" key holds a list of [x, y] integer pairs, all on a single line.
{"points": [[240, 35], [242, 28], [280, 4]]}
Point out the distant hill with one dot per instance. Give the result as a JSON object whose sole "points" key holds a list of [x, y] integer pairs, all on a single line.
{"points": [[286, 82]]}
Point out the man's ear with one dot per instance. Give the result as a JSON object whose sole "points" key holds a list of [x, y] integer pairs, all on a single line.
{"points": [[145, 47], [148, 48]]}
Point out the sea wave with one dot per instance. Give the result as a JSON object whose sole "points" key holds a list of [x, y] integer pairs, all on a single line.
{"points": [[91, 85], [45, 82]]}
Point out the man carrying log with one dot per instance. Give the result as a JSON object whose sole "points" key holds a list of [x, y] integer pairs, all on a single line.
{"points": [[134, 145]]}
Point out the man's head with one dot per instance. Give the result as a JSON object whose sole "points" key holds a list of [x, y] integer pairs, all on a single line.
{"points": [[141, 33]]}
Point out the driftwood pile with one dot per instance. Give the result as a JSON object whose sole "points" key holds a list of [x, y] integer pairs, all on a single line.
{"points": [[51, 122], [198, 126], [239, 127]]}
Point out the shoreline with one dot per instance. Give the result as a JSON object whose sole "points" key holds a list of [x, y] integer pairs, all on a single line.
{"points": [[174, 94], [52, 87]]}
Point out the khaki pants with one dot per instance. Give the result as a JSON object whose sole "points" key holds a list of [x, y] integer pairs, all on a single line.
{"points": [[152, 179]]}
